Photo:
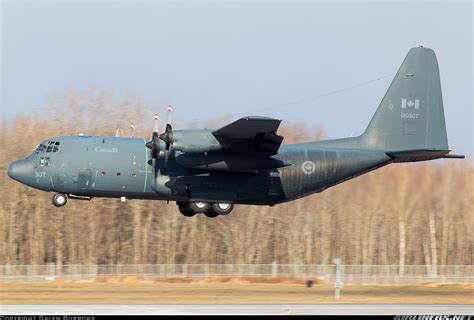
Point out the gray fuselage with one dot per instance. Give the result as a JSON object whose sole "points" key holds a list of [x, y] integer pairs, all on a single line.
{"points": [[94, 166]]}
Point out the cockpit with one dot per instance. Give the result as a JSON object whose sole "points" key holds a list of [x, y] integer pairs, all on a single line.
{"points": [[48, 146]]}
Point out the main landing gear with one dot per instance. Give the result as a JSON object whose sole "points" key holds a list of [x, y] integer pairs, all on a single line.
{"points": [[189, 209]]}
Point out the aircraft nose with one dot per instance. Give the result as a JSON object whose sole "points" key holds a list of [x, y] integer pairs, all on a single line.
{"points": [[21, 170]]}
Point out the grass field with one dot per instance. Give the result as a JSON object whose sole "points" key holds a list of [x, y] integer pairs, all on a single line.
{"points": [[209, 291]]}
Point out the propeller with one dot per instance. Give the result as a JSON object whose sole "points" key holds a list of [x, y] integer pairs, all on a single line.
{"points": [[154, 143], [167, 136], [131, 130], [119, 132]]}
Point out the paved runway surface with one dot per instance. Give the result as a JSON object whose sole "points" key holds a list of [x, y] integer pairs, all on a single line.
{"points": [[268, 309]]}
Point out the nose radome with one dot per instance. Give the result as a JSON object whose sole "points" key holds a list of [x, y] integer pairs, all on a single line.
{"points": [[21, 170]]}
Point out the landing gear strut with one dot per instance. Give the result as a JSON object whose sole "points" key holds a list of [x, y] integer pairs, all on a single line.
{"points": [[59, 199]]}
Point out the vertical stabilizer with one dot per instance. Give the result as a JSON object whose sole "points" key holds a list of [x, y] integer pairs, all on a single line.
{"points": [[411, 114]]}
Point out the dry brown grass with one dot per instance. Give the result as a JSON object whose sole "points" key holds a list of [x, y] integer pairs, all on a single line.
{"points": [[209, 280], [225, 290]]}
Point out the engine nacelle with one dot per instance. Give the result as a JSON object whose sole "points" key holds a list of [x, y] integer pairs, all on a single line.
{"points": [[195, 140]]}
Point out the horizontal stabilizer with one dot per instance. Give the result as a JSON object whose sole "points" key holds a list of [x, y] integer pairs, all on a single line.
{"points": [[422, 155], [454, 156]]}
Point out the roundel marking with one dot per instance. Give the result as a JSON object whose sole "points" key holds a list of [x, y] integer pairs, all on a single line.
{"points": [[308, 167]]}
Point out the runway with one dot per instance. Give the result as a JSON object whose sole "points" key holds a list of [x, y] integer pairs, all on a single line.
{"points": [[239, 309]]}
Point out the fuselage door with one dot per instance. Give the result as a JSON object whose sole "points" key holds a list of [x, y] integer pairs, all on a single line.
{"points": [[84, 179]]}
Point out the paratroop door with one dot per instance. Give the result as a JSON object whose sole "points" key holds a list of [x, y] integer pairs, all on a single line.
{"points": [[84, 179]]}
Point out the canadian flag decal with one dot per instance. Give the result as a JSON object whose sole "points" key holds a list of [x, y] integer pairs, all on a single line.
{"points": [[411, 103]]}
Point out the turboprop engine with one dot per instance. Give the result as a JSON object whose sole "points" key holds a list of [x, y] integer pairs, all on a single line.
{"points": [[195, 140]]}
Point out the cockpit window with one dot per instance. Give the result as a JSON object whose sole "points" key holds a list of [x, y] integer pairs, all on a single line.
{"points": [[50, 146]]}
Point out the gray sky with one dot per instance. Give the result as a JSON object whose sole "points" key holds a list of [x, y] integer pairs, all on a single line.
{"points": [[213, 59]]}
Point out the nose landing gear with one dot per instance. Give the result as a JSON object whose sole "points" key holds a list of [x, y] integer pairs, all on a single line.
{"points": [[210, 210], [59, 199]]}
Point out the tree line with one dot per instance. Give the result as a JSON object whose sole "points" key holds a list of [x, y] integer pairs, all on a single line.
{"points": [[403, 214]]}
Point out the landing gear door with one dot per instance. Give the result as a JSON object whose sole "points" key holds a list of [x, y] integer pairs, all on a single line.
{"points": [[84, 179]]}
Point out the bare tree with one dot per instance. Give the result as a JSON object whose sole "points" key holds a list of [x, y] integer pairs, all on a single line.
{"points": [[401, 214]]}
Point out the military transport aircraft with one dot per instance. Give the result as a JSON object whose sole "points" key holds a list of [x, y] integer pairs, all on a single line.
{"points": [[208, 171]]}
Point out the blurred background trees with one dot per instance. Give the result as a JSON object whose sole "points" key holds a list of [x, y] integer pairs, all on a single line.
{"points": [[402, 214]]}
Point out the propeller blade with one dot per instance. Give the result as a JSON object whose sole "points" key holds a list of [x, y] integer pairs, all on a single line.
{"points": [[168, 150], [131, 130], [167, 136], [154, 143], [170, 111], [166, 159], [155, 122]]}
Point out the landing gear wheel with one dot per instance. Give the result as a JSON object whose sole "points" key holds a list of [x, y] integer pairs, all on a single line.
{"points": [[185, 210], [223, 208], [59, 199], [211, 213], [199, 207]]}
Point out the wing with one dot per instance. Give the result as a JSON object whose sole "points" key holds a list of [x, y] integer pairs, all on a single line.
{"points": [[251, 135], [247, 128]]}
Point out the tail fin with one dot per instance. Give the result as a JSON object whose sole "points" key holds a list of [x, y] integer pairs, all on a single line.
{"points": [[411, 114]]}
